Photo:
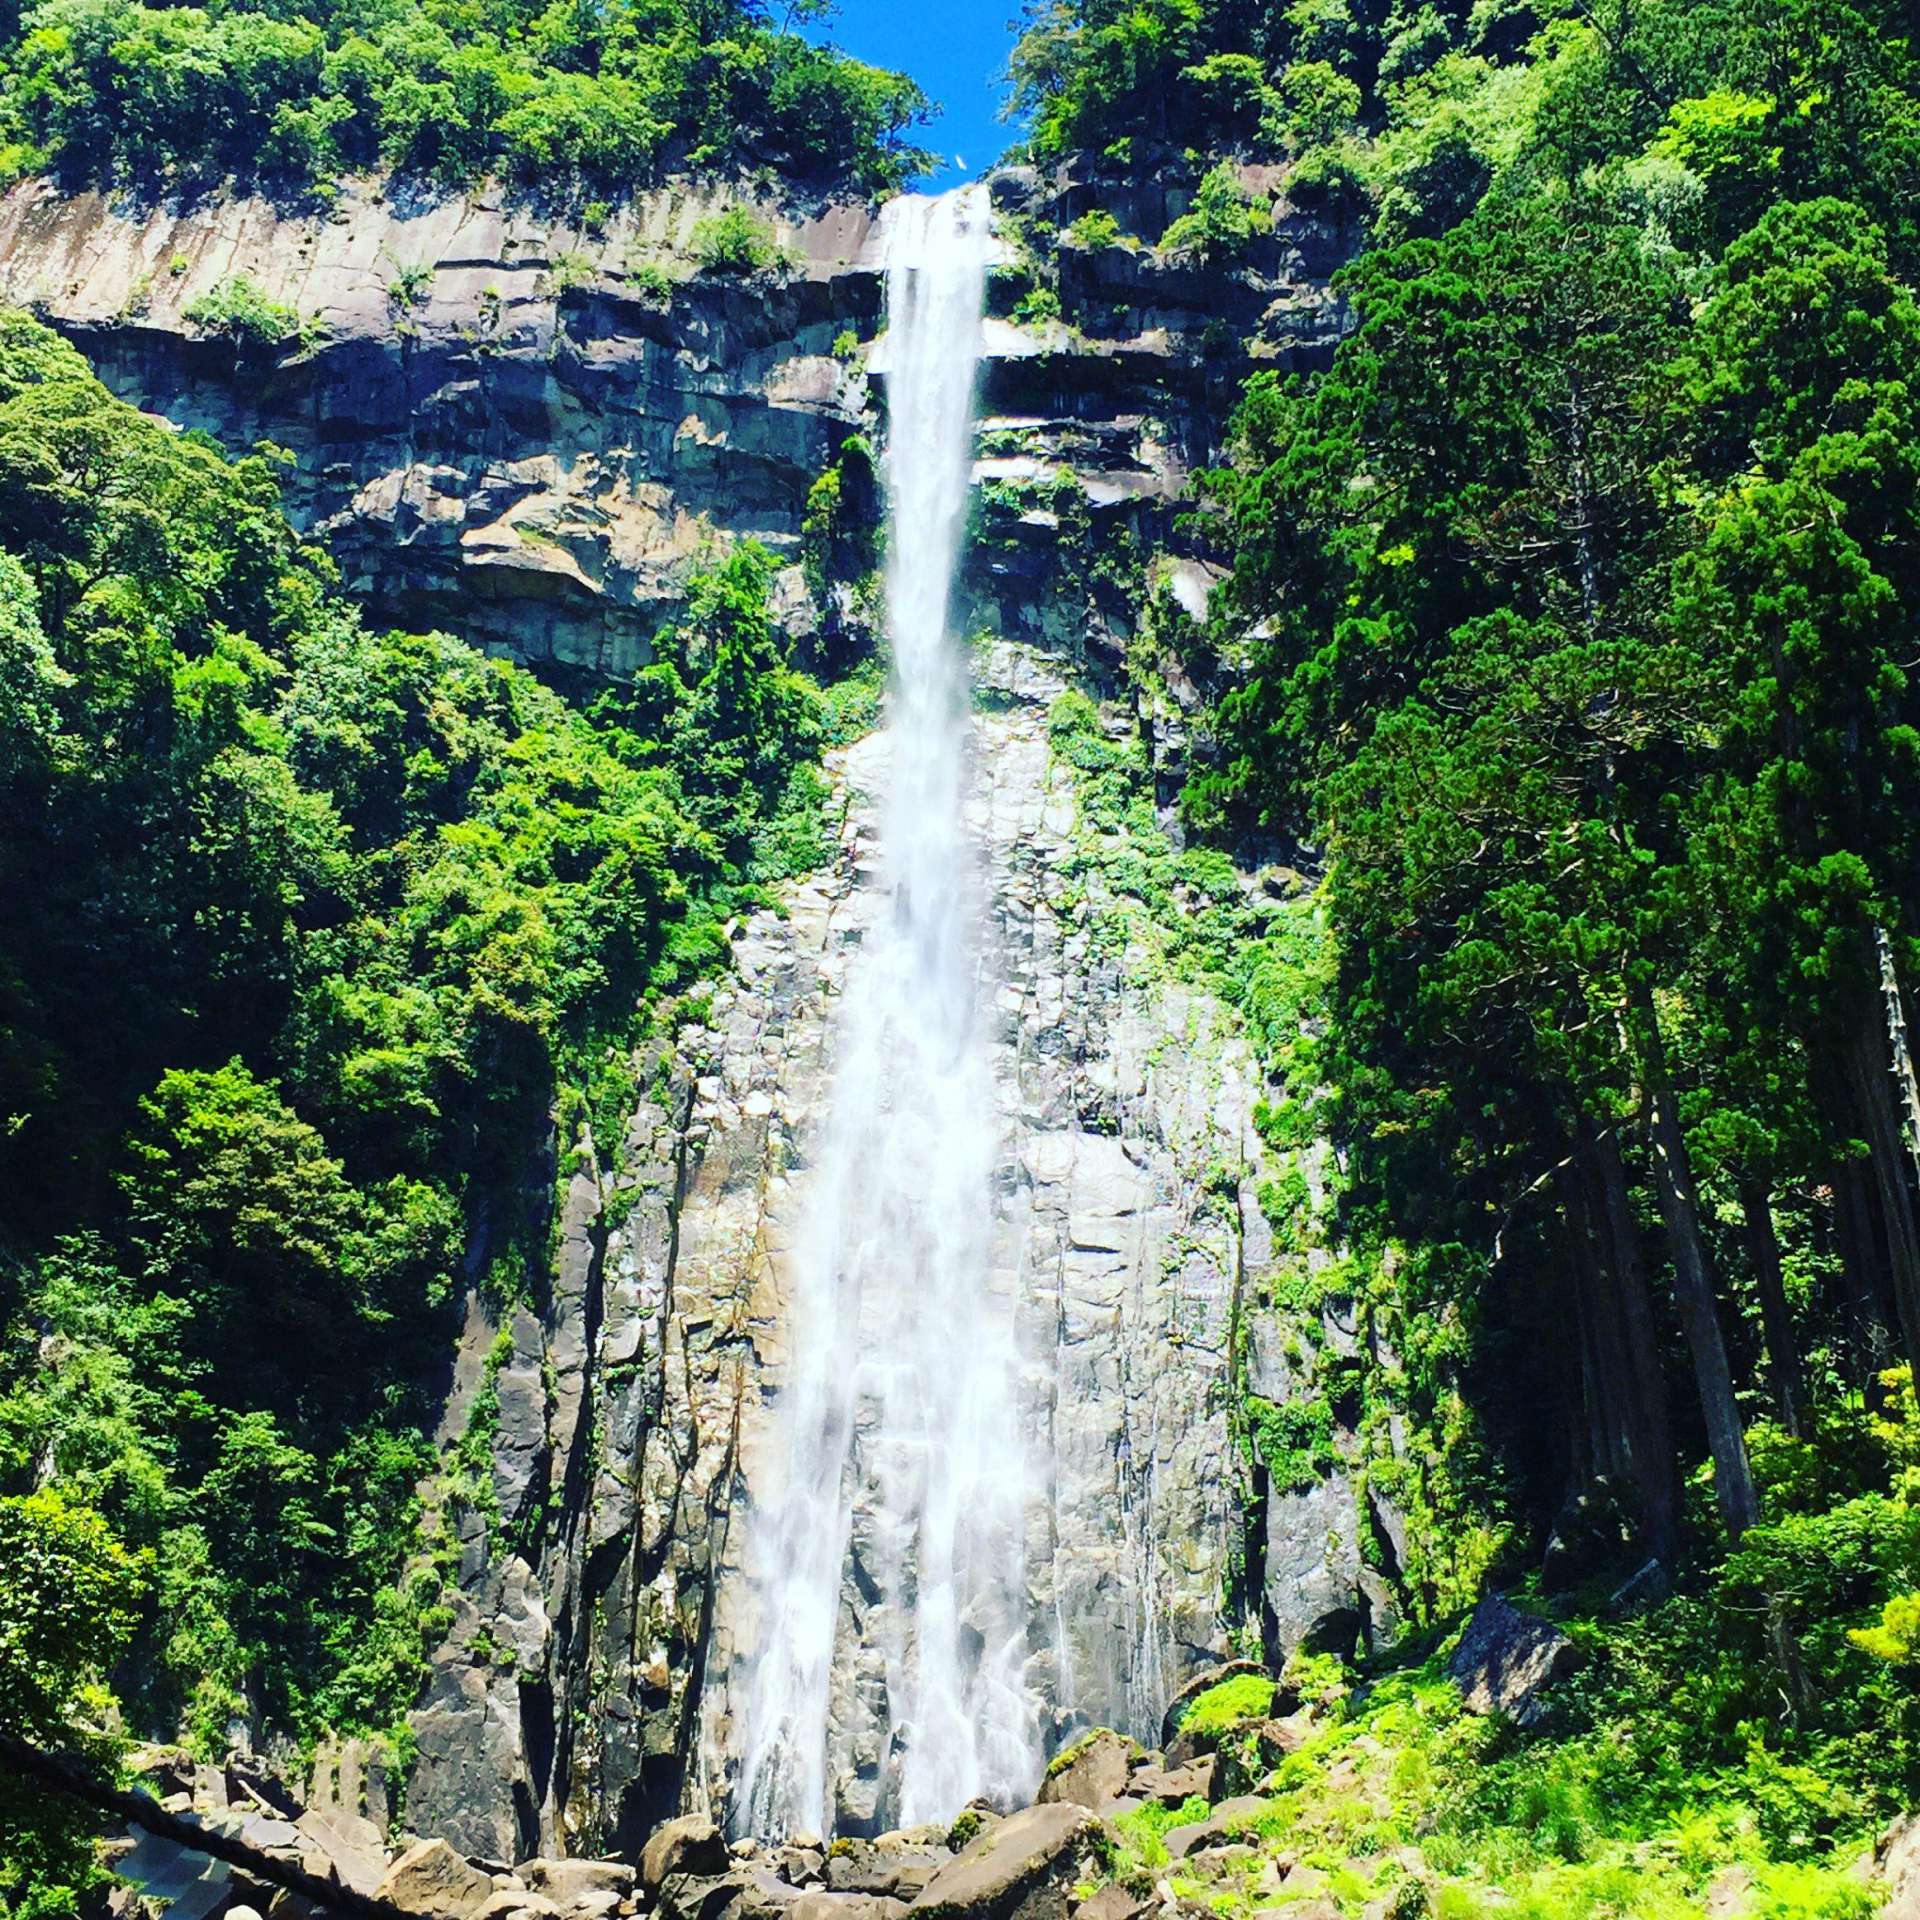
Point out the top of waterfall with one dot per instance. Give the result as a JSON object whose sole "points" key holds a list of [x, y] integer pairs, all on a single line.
{"points": [[916, 230]]}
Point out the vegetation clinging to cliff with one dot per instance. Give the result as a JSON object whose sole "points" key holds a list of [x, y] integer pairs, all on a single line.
{"points": [[1566, 622], [120, 93], [310, 932]]}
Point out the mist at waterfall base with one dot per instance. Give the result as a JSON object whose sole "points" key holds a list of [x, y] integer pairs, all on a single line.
{"points": [[900, 1404]]}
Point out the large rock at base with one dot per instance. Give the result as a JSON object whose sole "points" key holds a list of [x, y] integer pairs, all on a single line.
{"points": [[578, 1886], [892, 1866], [1898, 1865], [1199, 1684], [350, 1841], [1173, 1786], [693, 1896], [820, 1905], [690, 1845], [433, 1880], [1506, 1661], [516, 1903], [1024, 1868], [1092, 1772], [1113, 1902]]}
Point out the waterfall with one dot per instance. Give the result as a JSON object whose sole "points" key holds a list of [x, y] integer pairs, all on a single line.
{"points": [[904, 1469]]}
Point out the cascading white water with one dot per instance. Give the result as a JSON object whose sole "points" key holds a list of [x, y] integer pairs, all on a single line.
{"points": [[901, 1403]]}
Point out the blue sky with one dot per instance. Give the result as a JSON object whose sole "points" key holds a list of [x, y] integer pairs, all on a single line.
{"points": [[957, 50]]}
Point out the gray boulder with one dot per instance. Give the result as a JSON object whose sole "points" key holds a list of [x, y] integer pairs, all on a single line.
{"points": [[1023, 1869], [350, 1841], [1506, 1661], [1092, 1772], [694, 1896], [895, 1866], [1173, 1786], [431, 1879], [1113, 1902], [517, 1903], [820, 1905], [579, 1886], [690, 1845]]}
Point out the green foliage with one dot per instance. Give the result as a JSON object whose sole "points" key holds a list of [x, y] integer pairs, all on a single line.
{"points": [[1223, 221], [1222, 1709], [1095, 229], [316, 930], [965, 1829], [1563, 626], [1292, 1439], [411, 286], [118, 92], [1396, 1802], [1403, 117], [1036, 307], [242, 310], [651, 281], [736, 241], [569, 271], [68, 1598], [839, 530]]}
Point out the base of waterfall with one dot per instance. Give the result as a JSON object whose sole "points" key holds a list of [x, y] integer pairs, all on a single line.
{"points": [[1312, 1795]]}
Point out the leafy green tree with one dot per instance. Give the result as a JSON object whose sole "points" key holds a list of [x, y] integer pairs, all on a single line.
{"points": [[68, 1597]]}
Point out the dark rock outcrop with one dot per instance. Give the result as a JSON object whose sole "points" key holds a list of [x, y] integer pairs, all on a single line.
{"points": [[1506, 1661]]}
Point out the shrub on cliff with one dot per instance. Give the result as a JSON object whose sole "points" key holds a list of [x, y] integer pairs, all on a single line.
{"points": [[736, 241]]}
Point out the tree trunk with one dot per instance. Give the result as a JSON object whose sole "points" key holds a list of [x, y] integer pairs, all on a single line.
{"points": [[1903, 1099], [1623, 1314], [1602, 1450], [1856, 1232], [1905, 1083], [1776, 1320], [1693, 1288], [1870, 1085]]}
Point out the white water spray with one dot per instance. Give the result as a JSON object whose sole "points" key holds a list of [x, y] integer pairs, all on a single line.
{"points": [[901, 1402]]}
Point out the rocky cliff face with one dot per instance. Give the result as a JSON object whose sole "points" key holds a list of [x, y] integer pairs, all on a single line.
{"points": [[526, 430], [493, 421], [504, 431]]}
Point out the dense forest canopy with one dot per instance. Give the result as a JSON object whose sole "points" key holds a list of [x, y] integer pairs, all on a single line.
{"points": [[1570, 627], [120, 93]]}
